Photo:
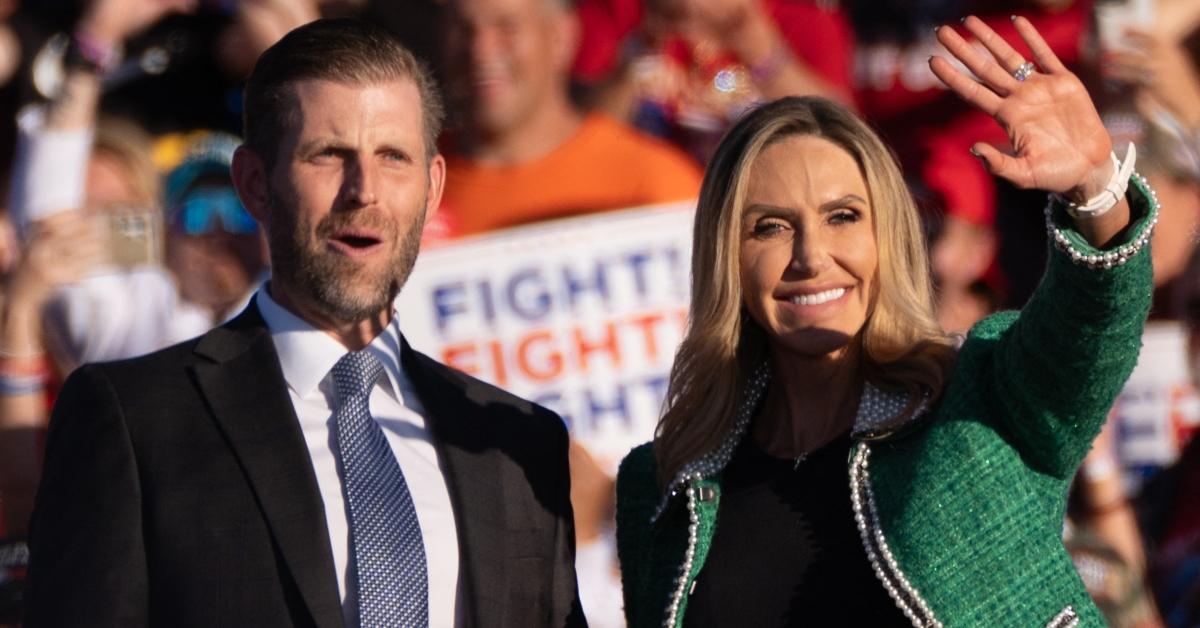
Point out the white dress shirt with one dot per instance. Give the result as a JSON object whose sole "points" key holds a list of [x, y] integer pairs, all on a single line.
{"points": [[306, 355]]}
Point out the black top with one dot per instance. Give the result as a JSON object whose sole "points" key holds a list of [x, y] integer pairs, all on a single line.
{"points": [[786, 550]]}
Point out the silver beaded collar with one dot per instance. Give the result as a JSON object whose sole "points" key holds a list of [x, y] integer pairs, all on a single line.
{"points": [[880, 415]]}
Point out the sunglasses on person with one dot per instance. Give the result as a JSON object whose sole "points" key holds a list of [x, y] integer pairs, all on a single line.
{"points": [[207, 209]]}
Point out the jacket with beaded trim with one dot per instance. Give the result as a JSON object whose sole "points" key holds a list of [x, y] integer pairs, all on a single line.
{"points": [[961, 511]]}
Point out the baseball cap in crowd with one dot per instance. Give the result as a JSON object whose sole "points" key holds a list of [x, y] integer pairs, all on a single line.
{"points": [[200, 197]]}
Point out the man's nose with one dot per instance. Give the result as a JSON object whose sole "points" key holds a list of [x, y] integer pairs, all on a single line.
{"points": [[482, 44], [361, 183]]}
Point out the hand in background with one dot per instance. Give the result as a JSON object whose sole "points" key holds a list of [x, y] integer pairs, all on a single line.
{"points": [[723, 21], [1160, 70], [60, 249], [264, 22], [746, 29], [113, 21], [259, 24]]}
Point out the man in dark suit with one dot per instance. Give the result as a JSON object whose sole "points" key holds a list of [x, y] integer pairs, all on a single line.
{"points": [[302, 465]]}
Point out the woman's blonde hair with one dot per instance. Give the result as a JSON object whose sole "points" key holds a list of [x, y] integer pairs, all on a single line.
{"points": [[901, 345], [132, 148]]}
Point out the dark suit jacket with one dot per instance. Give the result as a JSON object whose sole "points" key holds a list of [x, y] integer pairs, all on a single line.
{"points": [[178, 491]]}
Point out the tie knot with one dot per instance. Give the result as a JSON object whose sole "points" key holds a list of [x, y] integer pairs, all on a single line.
{"points": [[355, 373]]}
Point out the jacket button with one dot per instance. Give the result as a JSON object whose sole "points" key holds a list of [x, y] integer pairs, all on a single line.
{"points": [[706, 494]]}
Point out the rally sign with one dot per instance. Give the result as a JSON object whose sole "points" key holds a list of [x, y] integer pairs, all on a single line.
{"points": [[582, 315], [1158, 411]]}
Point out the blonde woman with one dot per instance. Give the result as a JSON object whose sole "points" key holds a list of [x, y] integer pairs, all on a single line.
{"points": [[828, 456]]}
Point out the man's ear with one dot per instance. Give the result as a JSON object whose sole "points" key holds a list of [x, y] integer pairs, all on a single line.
{"points": [[569, 32], [249, 174], [437, 182]]}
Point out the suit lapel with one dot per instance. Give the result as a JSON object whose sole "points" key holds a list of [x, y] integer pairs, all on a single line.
{"points": [[244, 387], [467, 445]]}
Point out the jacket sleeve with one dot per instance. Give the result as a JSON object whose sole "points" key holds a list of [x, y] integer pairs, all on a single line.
{"points": [[637, 497], [1057, 367], [87, 557], [568, 610]]}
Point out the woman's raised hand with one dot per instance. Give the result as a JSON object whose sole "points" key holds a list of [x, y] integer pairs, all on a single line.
{"points": [[1058, 141]]}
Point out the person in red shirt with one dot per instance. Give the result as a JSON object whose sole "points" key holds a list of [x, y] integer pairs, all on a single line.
{"points": [[687, 69]]}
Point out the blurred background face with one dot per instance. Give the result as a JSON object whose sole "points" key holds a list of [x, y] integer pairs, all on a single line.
{"points": [[213, 248], [507, 58]]}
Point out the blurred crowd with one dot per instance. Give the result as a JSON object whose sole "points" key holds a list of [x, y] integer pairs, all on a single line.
{"points": [[120, 231]]}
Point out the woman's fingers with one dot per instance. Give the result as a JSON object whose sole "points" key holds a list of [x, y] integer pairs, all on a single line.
{"points": [[68, 249], [69, 232], [1002, 165], [967, 88], [984, 67], [1042, 53], [1008, 57], [74, 226]]}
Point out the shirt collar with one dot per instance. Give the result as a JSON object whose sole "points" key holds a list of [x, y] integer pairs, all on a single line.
{"points": [[307, 354]]}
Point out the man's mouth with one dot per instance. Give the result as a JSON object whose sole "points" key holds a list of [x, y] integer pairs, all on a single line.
{"points": [[354, 242], [358, 242]]}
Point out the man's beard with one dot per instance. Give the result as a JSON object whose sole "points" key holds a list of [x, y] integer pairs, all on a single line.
{"points": [[339, 288]]}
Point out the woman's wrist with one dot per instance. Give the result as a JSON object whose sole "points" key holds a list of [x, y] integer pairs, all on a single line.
{"points": [[20, 330], [1093, 184], [22, 376], [24, 297]]}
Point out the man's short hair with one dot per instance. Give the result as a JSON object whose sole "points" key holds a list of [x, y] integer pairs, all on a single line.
{"points": [[342, 50]]}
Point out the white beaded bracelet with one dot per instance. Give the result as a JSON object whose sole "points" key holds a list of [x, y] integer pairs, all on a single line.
{"points": [[1113, 192], [1105, 259]]}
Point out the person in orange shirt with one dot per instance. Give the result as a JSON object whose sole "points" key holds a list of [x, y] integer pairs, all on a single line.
{"points": [[522, 151]]}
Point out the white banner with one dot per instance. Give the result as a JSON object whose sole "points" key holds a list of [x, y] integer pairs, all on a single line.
{"points": [[581, 315], [1159, 410]]}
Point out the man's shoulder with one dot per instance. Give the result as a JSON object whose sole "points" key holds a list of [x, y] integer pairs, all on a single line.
{"points": [[148, 367], [489, 399], [173, 362]]}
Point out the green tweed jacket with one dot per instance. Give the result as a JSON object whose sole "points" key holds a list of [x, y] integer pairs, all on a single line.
{"points": [[961, 509]]}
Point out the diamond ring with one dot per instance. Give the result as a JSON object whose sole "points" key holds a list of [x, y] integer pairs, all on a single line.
{"points": [[1024, 71]]}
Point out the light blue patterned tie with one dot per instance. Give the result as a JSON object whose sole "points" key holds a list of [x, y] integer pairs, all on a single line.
{"points": [[393, 584]]}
